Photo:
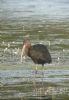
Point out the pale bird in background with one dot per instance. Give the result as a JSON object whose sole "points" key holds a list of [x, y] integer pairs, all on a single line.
{"points": [[5, 50], [8, 45], [16, 51]]}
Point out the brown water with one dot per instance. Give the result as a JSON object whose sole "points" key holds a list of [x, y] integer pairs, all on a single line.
{"points": [[46, 22]]}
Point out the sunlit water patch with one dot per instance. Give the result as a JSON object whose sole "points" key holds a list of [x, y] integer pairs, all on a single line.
{"points": [[22, 83]]}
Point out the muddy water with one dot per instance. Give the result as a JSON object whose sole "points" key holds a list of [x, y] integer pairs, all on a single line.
{"points": [[46, 22]]}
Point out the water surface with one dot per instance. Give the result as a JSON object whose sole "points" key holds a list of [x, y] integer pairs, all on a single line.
{"points": [[46, 22]]}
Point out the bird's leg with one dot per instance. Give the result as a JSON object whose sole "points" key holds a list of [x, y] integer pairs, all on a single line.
{"points": [[43, 70], [36, 69], [34, 80], [43, 77]]}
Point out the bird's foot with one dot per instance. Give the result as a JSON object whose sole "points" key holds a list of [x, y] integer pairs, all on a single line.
{"points": [[36, 71]]}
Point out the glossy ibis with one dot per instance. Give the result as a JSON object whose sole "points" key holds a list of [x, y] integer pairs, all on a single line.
{"points": [[38, 52]]}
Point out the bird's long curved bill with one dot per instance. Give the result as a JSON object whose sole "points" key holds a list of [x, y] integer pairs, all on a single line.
{"points": [[22, 52]]}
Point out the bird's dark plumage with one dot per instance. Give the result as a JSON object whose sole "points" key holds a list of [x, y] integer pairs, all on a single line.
{"points": [[38, 52]]}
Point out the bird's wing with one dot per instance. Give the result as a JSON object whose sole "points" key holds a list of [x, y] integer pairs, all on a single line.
{"points": [[37, 54]]}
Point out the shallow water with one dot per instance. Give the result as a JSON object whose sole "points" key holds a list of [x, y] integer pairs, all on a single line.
{"points": [[46, 22]]}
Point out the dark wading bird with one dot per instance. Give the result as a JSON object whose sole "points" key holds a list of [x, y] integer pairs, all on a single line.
{"points": [[38, 52]]}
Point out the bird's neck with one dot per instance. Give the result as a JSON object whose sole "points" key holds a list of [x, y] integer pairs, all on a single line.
{"points": [[27, 49]]}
